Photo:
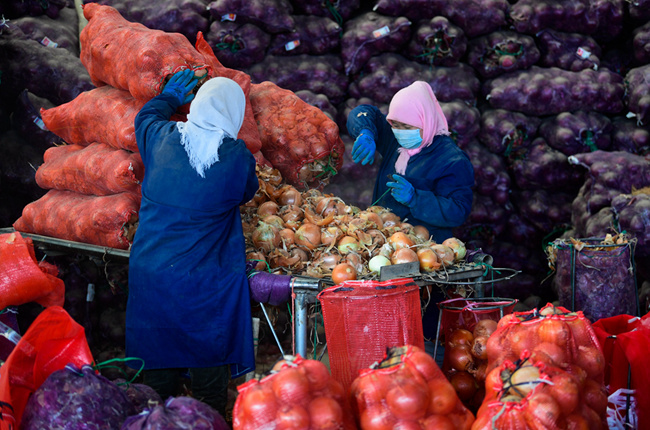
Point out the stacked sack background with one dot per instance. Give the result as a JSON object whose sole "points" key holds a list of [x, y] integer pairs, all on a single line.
{"points": [[525, 85]]}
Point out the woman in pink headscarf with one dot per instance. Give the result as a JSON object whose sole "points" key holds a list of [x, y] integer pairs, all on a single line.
{"points": [[424, 177]]}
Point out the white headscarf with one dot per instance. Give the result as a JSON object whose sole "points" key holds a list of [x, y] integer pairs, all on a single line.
{"points": [[217, 110]]}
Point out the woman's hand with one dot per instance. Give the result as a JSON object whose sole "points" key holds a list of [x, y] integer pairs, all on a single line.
{"points": [[401, 190], [180, 85], [364, 148]]}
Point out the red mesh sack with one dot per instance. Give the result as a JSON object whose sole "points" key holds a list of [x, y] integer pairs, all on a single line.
{"points": [[99, 220], [22, 278], [558, 338], [407, 390], [465, 326], [363, 318], [51, 342], [248, 131], [531, 394], [298, 139], [625, 340], [300, 394], [95, 169], [103, 114], [129, 56]]}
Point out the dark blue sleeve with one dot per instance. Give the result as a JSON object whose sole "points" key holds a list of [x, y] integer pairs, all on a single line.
{"points": [[159, 108], [367, 117], [451, 202]]}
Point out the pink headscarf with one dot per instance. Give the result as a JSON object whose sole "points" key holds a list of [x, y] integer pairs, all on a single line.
{"points": [[416, 105]]}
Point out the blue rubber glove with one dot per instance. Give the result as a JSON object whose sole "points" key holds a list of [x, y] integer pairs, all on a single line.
{"points": [[180, 85], [364, 148], [402, 190]]}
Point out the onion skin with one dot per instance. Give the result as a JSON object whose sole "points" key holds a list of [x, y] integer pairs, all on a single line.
{"points": [[445, 254], [429, 261], [343, 272], [457, 246], [308, 236], [404, 255]]}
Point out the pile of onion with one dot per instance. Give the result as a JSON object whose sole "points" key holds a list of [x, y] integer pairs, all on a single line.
{"points": [[317, 235]]}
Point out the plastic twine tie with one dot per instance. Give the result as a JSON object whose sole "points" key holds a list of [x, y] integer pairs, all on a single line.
{"points": [[588, 140], [335, 14], [105, 365]]}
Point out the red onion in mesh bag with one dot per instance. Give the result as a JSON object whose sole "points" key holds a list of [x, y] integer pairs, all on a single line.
{"points": [[238, 45], [54, 74], [273, 16], [313, 35], [388, 73], [76, 398], [320, 101], [177, 413], [548, 91], [140, 395], [18, 8], [339, 10], [490, 172], [618, 170], [321, 74], [520, 230], [501, 51], [568, 51], [546, 209], [633, 216], [541, 167], [641, 43], [486, 221], [601, 223], [187, 17], [591, 198], [27, 122], [437, 42], [463, 121], [628, 136], [504, 131], [602, 19], [475, 17], [639, 9], [370, 34], [638, 93], [62, 32], [577, 132]]}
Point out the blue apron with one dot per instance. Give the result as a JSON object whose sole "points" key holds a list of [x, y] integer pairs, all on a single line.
{"points": [[189, 303]]}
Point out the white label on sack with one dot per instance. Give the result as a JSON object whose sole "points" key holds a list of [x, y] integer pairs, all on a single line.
{"points": [[229, 17], [380, 32], [49, 43], [291, 45], [583, 53], [39, 123]]}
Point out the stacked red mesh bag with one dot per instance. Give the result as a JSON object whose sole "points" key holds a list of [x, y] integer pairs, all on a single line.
{"points": [[407, 390], [94, 181], [545, 370], [298, 394]]}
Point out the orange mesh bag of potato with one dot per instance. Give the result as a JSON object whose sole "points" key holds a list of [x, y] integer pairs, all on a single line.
{"points": [[298, 394], [129, 56], [407, 390], [94, 169], [103, 114], [22, 278], [99, 220], [298, 139]]}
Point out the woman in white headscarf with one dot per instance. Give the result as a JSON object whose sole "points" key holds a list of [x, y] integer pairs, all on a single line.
{"points": [[189, 305]]}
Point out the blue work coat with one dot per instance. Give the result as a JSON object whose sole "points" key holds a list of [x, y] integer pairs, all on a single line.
{"points": [[441, 174], [189, 302]]}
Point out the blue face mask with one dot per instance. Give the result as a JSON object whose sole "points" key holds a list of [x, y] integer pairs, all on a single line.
{"points": [[409, 139]]}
